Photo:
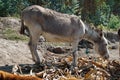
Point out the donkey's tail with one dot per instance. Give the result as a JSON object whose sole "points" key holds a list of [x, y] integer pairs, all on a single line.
{"points": [[22, 29]]}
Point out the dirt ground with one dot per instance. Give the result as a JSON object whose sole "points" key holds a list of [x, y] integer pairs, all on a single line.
{"points": [[13, 52], [17, 52]]}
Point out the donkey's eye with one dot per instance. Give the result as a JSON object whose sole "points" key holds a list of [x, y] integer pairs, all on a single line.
{"points": [[105, 44]]}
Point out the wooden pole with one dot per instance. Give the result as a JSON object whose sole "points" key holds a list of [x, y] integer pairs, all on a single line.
{"points": [[119, 41]]}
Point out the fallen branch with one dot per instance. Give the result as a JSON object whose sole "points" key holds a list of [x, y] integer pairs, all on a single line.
{"points": [[95, 63]]}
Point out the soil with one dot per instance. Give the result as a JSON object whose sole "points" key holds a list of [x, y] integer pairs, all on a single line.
{"points": [[13, 52]]}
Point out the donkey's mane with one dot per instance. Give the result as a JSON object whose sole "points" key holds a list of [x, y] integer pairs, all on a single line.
{"points": [[92, 27], [88, 26]]}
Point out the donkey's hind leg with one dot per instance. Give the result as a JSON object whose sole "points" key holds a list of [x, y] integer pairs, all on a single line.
{"points": [[33, 48]]}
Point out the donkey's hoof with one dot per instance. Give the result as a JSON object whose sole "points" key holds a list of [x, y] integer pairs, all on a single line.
{"points": [[38, 67], [37, 63], [73, 66]]}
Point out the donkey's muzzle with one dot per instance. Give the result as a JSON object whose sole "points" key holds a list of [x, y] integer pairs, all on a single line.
{"points": [[106, 56]]}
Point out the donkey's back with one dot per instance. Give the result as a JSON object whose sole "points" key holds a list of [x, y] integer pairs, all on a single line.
{"points": [[52, 25]]}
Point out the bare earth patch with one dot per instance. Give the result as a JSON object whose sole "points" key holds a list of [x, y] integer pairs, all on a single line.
{"points": [[13, 52]]}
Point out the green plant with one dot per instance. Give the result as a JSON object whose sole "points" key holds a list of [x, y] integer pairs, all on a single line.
{"points": [[11, 34], [12, 7], [114, 22], [64, 6]]}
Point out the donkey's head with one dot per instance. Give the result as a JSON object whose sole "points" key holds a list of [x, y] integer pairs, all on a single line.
{"points": [[101, 44]]}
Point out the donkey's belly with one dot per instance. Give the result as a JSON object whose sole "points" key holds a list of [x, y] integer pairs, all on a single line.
{"points": [[56, 38]]}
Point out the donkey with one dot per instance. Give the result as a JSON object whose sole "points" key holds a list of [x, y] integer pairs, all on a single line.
{"points": [[59, 27]]}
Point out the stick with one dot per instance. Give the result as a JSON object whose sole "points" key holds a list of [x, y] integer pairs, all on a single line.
{"points": [[95, 63]]}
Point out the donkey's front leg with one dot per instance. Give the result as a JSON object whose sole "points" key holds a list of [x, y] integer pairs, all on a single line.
{"points": [[75, 54], [33, 49]]}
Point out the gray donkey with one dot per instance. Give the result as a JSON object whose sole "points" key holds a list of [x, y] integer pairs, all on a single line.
{"points": [[58, 27]]}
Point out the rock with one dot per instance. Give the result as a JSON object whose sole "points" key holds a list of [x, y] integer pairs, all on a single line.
{"points": [[113, 41], [114, 47], [50, 48], [85, 44], [112, 36], [59, 50]]}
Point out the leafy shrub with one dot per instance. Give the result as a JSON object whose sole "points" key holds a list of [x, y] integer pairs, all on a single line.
{"points": [[114, 22], [12, 7], [101, 15]]}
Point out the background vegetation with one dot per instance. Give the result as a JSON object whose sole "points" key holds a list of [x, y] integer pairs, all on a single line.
{"points": [[102, 13]]}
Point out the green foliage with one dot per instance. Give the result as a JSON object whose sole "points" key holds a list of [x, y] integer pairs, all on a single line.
{"points": [[64, 6], [115, 6], [12, 7], [114, 22], [102, 15]]}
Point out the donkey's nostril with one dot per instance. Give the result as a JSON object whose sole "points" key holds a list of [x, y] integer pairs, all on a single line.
{"points": [[106, 56]]}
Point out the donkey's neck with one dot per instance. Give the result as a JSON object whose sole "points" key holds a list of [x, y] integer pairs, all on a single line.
{"points": [[90, 34]]}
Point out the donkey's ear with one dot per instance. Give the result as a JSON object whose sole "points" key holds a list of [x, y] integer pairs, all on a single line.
{"points": [[93, 28], [100, 32]]}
